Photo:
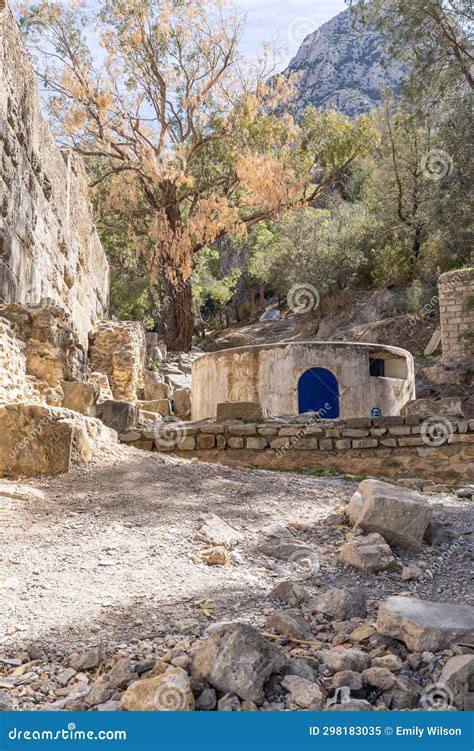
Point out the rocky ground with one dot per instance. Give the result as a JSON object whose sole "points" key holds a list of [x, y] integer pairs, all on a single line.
{"points": [[116, 581]]}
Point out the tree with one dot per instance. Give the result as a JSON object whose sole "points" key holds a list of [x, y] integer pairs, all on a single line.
{"points": [[185, 130]]}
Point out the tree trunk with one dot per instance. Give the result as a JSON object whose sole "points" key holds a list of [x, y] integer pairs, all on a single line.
{"points": [[178, 315]]}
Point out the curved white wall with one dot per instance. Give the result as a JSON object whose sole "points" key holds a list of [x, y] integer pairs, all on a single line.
{"points": [[269, 374]]}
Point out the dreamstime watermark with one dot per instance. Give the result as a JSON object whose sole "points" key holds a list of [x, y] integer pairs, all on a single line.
{"points": [[303, 431], [170, 698], [170, 435], [301, 27], [71, 733], [302, 298], [449, 285], [304, 564], [437, 696], [28, 439], [436, 164], [436, 431]]}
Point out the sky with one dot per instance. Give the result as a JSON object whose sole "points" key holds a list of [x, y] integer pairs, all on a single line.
{"points": [[287, 21]]}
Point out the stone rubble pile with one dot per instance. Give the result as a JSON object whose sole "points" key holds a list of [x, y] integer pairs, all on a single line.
{"points": [[327, 651]]}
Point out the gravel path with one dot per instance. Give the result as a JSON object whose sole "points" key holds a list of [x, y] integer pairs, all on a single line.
{"points": [[105, 554]]}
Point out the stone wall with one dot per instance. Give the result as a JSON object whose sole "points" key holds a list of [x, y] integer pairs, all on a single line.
{"points": [[437, 448], [48, 243], [118, 349], [456, 305], [14, 382]]}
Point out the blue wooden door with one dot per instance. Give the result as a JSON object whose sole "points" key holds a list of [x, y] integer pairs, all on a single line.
{"points": [[318, 392]]}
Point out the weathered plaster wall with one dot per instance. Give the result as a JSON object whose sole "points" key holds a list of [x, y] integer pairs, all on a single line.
{"points": [[48, 243], [269, 374], [456, 305]]}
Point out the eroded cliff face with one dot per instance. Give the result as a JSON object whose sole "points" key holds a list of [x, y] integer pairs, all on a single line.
{"points": [[343, 65], [49, 247]]}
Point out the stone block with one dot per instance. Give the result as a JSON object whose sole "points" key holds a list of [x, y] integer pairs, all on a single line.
{"points": [[426, 407], [118, 348], [156, 406], [365, 443], [80, 397], [326, 444], [246, 411], [182, 403], [235, 442], [119, 415], [342, 444], [206, 441], [154, 387], [257, 443]]}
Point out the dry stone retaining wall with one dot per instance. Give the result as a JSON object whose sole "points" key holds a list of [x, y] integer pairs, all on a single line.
{"points": [[456, 305], [437, 448], [48, 243]]}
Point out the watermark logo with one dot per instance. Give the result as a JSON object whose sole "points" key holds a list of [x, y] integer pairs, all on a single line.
{"points": [[437, 696], [170, 698], [436, 431], [170, 434], [436, 164], [302, 298], [299, 28]]}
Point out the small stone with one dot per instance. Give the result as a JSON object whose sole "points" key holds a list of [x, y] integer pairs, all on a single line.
{"points": [[207, 700], [64, 676], [370, 554], [289, 623], [99, 692], [348, 678], [411, 572], [6, 701], [348, 659], [85, 660], [390, 662], [353, 705], [121, 674], [341, 604], [289, 592], [216, 531], [379, 678], [229, 703], [302, 692], [458, 676], [362, 633], [404, 694]]}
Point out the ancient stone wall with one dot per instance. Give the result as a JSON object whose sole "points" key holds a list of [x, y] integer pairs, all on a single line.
{"points": [[118, 349], [438, 448], [456, 305], [14, 382], [48, 243]]}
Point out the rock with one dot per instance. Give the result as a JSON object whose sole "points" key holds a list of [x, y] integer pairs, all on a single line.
{"points": [[404, 694], [155, 407], [425, 625], [348, 659], [229, 703], [118, 349], [121, 674], [437, 533], [246, 411], [154, 388], [207, 700], [100, 691], [289, 623], [400, 515], [118, 415], [458, 677], [341, 604], [169, 692], [216, 531], [348, 678], [6, 701], [80, 396], [182, 403], [235, 658], [286, 550], [451, 405], [289, 592], [301, 668], [354, 507], [370, 554], [379, 678], [302, 692], [362, 633], [411, 572], [248, 706], [64, 676], [390, 662], [335, 520], [85, 660], [353, 705]]}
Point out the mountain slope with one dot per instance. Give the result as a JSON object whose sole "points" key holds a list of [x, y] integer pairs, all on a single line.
{"points": [[343, 65]]}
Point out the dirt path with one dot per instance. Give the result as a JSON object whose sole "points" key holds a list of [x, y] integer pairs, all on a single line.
{"points": [[106, 554]]}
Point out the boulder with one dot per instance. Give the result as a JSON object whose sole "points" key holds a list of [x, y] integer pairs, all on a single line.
{"points": [[399, 514], [289, 592], [341, 604], [156, 406], [347, 659], [426, 626], [154, 387], [168, 692], [182, 403], [246, 411], [289, 623], [235, 658], [303, 693], [458, 677], [381, 678], [370, 554], [80, 396], [354, 507], [118, 415]]}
